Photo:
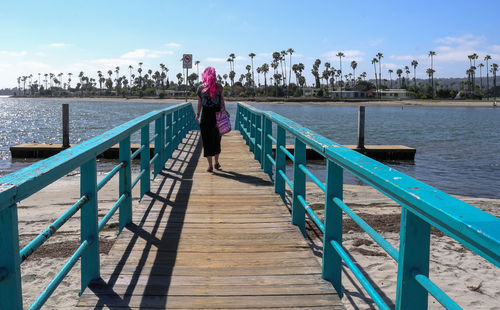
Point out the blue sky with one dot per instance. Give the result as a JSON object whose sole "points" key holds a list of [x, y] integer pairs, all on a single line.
{"points": [[72, 36]]}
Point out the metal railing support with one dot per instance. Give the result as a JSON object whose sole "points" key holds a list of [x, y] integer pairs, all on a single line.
{"points": [[10, 271], [332, 262], [267, 147], [238, 118], [145, 153], [168, 135], [257, 155], [158, 146], [279, 182], [125, 184], [89, 224], [414, 247], [299, 186]]}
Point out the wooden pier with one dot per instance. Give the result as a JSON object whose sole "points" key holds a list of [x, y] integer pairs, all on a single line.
{"points": [[211, 240]]}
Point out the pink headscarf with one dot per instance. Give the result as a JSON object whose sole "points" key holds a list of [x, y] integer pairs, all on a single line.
{"points": [[209, 81]]}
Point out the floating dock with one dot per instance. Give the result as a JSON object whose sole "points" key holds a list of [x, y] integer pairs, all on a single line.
{"points": [[378, 152]]}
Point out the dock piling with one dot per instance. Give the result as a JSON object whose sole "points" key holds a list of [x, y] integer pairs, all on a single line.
{"points": [[65, 125], [361, 128]]}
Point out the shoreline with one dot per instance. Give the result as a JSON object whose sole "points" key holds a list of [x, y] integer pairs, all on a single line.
{"points": [[371, 103]]}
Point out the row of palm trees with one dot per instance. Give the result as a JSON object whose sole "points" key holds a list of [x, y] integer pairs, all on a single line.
{"points": [[332, 77]]}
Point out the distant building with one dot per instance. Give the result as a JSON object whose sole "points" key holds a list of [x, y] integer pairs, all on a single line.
{"points": [[394, 94], [348, 94]]}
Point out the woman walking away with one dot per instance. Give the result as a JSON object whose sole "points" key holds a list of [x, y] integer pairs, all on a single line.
{"points": [[210, 101]]}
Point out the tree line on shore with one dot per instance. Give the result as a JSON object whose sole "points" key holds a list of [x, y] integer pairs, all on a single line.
{"points": [[327, 79]]}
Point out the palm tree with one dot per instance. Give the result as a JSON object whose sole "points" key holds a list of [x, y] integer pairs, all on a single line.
{"points": [[481, 65], [140, 74], [130, 74], [99, 74], [258, 75], [252, 55], [486, 58], [326, 75], [354, 65], [290, 51], [340, 55], [379, 57], [414, 63], [494, 69], [474, 57], [265, 70], [283, 61], [390, 75], [69, 80], [374, 63], [431, 55], [407, 71], [399, 72], [315, 72]]}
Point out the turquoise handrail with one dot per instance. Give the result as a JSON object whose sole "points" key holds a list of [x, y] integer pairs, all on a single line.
{"points": [[422, 206], [23, 183]]}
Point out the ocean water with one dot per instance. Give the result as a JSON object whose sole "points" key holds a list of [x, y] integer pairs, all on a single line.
{"points": [[458, 149]]}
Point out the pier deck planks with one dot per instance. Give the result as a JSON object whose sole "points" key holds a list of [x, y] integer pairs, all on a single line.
{"points": [[211, 240]]}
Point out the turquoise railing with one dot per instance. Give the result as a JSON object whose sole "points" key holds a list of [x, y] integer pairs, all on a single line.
{"points": [[171, 125], [422, 206]]}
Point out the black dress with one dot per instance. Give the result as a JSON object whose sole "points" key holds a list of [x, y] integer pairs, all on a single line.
{"points": [[208, 126]]}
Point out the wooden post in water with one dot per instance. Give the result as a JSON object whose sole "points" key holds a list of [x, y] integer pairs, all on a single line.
{"points": [[361, 128], [65, 125]]}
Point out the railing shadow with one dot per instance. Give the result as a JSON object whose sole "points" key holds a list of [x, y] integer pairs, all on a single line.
{"points": [[176, 178], [244, 178], [314, 239]]}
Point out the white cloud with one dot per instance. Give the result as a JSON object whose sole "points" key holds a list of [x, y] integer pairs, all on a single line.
{"points": [[35, 65], [349, 55], [59, 45], [240, 58], [173, 45], [215, 59], [139, 54], [14, 54], [465, 40]]}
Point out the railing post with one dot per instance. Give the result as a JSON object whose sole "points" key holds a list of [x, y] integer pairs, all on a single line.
{"points": [[279, 182], [246, 127], [257, 155], [176, 129], [252, 132], [414, 246], [145, 158], [158, 146], [89, 223], [299, 186], [168, 135], [238, 117], [125, 184], [267, 146], [10, 271], [332, 262]]}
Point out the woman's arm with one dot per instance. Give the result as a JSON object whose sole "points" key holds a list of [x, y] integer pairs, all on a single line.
{"points": [[198, 109]]}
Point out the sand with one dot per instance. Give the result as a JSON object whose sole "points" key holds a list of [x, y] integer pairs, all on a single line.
{"points": [[470, 280]]}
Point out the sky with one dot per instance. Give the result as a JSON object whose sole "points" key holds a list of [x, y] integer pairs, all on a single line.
{"points": [[62, 36]]}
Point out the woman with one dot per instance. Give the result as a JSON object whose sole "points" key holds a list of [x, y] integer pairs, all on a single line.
{"points": [[210, 101]]}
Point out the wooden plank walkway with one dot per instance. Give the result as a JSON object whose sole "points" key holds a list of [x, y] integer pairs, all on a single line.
{"points": [[211, 240]]}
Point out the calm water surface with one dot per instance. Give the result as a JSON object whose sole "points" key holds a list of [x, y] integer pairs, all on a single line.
{"points": [[458, 149]]}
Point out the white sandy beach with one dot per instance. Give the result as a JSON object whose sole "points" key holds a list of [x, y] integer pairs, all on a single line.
{"points": [[469, 279]]}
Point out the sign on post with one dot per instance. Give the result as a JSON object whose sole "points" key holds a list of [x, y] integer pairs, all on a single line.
{"points": [[187, 61]]}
